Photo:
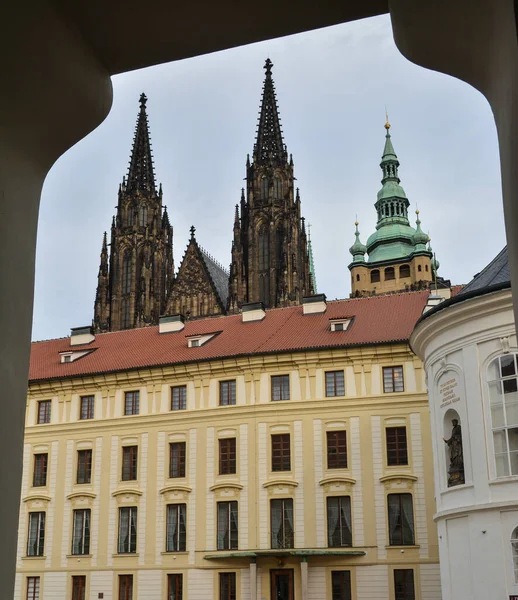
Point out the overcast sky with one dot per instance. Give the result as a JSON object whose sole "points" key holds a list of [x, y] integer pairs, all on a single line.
{"points": [[332, 88]]}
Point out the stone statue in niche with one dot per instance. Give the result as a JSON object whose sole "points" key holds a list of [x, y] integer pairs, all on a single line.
{"points": [[456, 468]]}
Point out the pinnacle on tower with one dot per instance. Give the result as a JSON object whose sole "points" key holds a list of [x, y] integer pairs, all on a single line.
{"points": [[311, 263], [103, 267], [269, 145], [358, 249], [141, 175]]}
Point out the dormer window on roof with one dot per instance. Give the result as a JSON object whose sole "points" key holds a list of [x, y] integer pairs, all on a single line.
{"points": [[340, 324], [72, 355], [195, 341]]}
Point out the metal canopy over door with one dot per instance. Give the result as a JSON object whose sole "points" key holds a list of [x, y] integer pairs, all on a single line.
{"points": [[282, 584]]}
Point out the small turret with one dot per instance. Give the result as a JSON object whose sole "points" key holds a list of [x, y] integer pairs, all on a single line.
{"points": [[420, 237], [358, 249]]}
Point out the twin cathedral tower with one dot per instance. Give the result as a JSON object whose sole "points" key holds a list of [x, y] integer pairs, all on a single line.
{"points": [[272, 258], [270, 253]]}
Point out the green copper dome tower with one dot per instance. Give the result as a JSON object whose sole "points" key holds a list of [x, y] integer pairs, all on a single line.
{"points": [[394, 238], [395, 257]]}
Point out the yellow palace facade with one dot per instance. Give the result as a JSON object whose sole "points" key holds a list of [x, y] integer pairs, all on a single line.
{"points": [[281, 454]]}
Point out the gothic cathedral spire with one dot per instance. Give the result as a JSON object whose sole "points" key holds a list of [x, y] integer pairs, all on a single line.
{"points": [[270, 260], [133, 286]]}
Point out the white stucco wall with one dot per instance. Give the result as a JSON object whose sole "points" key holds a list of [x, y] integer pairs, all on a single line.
{"points": [[476, 519]]}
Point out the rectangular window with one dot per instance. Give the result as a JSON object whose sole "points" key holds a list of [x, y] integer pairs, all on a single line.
{"points": [[44, 411], [179, 397], [177, 459], [281, 516], [87, 407], [336, 450], [79, 587], [393, 379], [397, 452], [335, 384], [125, 587], [404, 584], [33, 588], [81, 532], [36, 537], [84, 466], [227, 393], [227, 586], [175, 587], [127, 530], [176, 530], [341, 585], [39, 477], [401, 519], [281, 459], [129, 463], [227, 456], [280, 387], [339, 531], [131, 403], [227, 526]]}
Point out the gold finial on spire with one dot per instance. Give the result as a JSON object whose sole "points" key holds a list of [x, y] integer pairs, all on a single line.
{"points": [[356, 221], [387, 124]]}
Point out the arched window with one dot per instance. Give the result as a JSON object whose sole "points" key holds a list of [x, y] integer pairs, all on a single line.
{"points": [[264, 187], [503, 402], [277, 187], [125, 313], [375, 276], [357, 278], [129, 213], [426, 268], [263, 248], [419, 268], [142, 216], [514, 548], [389, 273], [404, 271], [126, 273]]}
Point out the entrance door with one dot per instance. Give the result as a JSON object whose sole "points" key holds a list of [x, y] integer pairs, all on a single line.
{"points": [[282, 584]]}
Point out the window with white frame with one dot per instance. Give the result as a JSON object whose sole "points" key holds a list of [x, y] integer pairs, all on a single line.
{"points": [[281, 522], [127, 543], [36, 536], [176, 529], [503, 401], [81, 532]]}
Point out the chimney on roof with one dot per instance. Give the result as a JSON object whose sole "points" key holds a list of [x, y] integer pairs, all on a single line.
{"points": [[253, 311], [312, 305], [171, 324], [81, 335], [432, 301]]}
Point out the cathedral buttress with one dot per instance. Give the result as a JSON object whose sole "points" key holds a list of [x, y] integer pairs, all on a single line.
{"points": [[270, 260], [133, 286]]}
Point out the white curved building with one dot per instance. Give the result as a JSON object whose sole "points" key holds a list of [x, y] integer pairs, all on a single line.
{"points": [[469, 349]]}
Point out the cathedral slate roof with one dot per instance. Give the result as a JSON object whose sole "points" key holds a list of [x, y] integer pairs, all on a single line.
{"points": [[218, 275], [375, 320]]}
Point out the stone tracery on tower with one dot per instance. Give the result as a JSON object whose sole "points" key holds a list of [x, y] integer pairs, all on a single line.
{"points": [[271, 256]]}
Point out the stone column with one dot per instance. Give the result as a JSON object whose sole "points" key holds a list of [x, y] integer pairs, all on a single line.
{"points": [[304, 577]]}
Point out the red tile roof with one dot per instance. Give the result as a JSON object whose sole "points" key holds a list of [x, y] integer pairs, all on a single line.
{"points": [[455, 289], [377, 320]]}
